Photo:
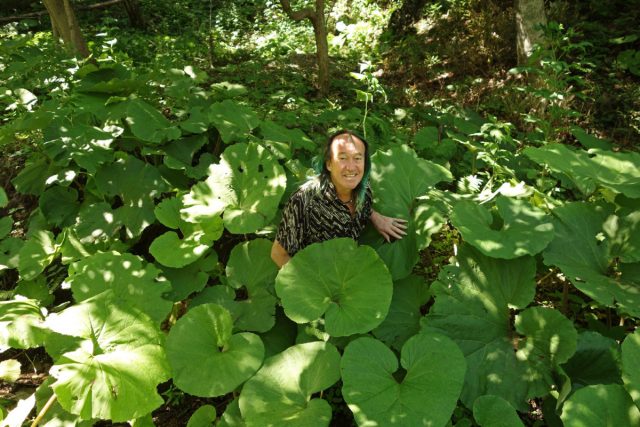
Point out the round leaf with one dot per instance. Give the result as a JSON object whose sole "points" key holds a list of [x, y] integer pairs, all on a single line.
{"points": [[631, 365], [233, 121], [551, 340], [494, 411], [600, 406], [346, 283], [204, 416], [525, 230], [115, 371], [59, 205], [169, 250], [132, 282], [426, 395], [202, 338], [596, 361], [280, 393]]}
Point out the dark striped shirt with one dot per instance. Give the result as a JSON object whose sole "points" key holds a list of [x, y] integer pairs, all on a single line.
{"points": [[315, 214]]}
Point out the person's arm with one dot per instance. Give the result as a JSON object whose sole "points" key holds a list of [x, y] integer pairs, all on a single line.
{"points": [[279, 255], [388, 227]]}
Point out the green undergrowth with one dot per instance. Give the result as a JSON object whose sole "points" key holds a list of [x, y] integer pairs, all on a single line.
{"points": [[137, 224]]}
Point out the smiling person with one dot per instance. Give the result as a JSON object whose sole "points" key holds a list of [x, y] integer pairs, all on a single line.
{"points": [[336, 203]]}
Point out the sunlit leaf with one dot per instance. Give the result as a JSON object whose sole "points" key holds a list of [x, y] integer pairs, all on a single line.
{"points": [[132, 282], [281, 392], [599, 406], [525, 230], [203, 338], [423, 392], [115, 371]]}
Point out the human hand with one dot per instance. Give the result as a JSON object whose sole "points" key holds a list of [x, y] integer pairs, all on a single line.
{"points": [[389, 227]]}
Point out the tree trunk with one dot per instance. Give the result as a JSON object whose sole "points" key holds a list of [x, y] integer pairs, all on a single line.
{"points": [[136, 18], [320, 31], [529, 16], [65, 26]]}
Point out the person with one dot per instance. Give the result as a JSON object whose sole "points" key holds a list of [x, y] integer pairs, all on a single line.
{"points": [[336, 203]]}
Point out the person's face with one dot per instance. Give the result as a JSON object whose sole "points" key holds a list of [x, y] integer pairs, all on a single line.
{"points": [[346, 163]]}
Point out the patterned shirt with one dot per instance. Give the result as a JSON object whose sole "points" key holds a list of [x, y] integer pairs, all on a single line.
{"points": [[316, 214]]}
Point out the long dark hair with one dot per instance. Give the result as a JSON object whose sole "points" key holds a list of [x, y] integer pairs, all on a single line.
{"points": [[320, 165]]}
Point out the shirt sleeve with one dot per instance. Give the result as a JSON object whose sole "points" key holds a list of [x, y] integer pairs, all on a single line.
{"points": [[291, 229]]}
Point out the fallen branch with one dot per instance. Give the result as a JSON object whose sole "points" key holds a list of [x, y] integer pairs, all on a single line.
{"points": [[101, 5]]}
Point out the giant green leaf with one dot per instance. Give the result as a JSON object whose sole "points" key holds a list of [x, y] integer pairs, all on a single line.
{"points": [[10, 252], [423, 392], [132, 282], [21, 324], [59, 205], [204, 416], [600, 406], [137, 184], [180, 155], [473, 299], [172, 251], [250, 269], [524, 231], [233, 121], [551, 340], [403, 319], [114, 372], [186, 280], [617, 171], [250, 265], [203, 338], [280, 394], [250, 312], [36, 254], [346, 283], [96, 223], [252, 182], [631, 365], [147, 123], [56, 416], [88, 146], [398, 176], [494, 411], [33, 176], [596, 361], [584, 254]]}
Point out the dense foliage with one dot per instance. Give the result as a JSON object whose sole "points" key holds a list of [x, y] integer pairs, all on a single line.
{"points": [[143, 188]]}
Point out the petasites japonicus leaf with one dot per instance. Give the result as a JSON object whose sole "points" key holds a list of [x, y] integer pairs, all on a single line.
{"points": [[347, 283], [423, 391], [203, 338], [473, 301], [137, 184], [551, 339], [280, 394], [234, 121], [247, 185], [589, 244], [616, 171], [601, 405], [132, 282], [21, 324], [494, 411], [596, 361], [403, 319], [114, 372], [398, 176], [525, 229], [631, 365]]}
